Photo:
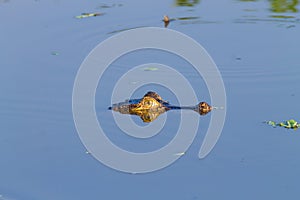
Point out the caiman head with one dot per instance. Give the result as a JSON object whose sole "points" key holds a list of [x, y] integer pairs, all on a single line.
{"points": [[152, 105], [148, 108], [146, 103]]}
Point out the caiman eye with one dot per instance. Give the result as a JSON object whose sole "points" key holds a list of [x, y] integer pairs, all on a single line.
{"points": [[148, 103]]}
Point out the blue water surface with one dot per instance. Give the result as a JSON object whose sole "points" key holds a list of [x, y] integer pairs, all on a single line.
{"points": [[255, 45]]}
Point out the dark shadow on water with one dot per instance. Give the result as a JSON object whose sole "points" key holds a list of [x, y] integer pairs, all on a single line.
{"points": [[187, 18], [125, 29]]}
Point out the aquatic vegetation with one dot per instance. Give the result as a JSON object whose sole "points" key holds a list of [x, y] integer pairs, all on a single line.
{"points": [[289, 124], [282, 11], [282, 16], [188, 3], [283, 6]]}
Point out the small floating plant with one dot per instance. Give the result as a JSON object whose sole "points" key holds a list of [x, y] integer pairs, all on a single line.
{"points": [[289, 124]]}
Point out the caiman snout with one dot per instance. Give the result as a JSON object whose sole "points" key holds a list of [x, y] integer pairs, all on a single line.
{"points": [[204, 108]]}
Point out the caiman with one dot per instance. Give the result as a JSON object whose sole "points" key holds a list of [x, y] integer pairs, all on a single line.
{"points": [[152, 105]]}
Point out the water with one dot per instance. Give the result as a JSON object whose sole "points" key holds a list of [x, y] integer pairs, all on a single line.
{"points": [[255, 46]]}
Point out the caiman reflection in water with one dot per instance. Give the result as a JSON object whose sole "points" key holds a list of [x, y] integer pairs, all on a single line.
{"points": [[152, 105]]}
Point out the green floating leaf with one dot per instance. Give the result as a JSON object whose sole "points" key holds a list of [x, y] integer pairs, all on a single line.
{"points": [[289, 124], [85, 15], [293, 123]]}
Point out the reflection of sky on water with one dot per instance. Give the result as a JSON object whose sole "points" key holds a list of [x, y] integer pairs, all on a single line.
{"points": [[257, 54]]}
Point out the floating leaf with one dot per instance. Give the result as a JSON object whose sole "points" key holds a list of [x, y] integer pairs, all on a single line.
{"points": [[289, 124], [293, 123]]}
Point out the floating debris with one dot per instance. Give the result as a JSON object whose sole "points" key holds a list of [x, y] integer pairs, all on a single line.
{"points": [[150, 69], [85, 15], [87, 152], [289, 124], [179, 154]]}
